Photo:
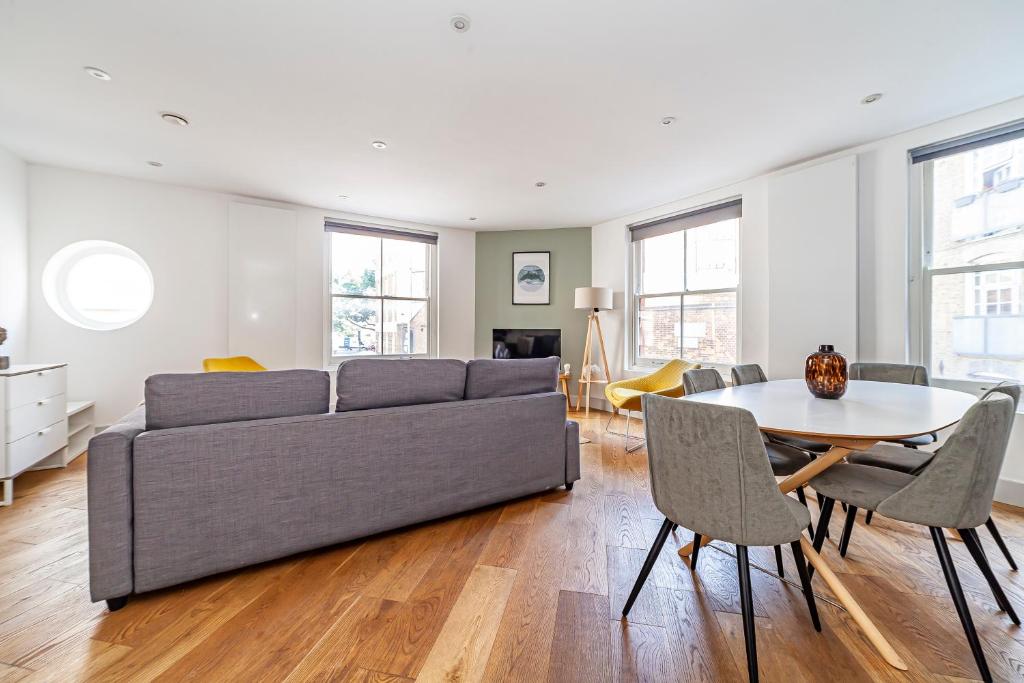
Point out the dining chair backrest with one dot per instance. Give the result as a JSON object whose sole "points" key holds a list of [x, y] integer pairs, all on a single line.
{"points": [[710, 473], [747, 374], [897, 373], [706, 379], [955, 489], [1011, 390]]}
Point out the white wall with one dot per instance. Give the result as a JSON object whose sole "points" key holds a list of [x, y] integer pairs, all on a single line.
{"points": [[183, 235], [883, 231], [14, 256]]}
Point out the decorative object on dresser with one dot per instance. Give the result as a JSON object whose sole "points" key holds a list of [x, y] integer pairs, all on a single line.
{"points": [[531, 278], [825, 372], [34, 424], [5, 361], [594, 299]]}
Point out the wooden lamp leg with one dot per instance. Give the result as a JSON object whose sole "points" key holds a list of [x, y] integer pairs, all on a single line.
{"points": [[583, 369]]}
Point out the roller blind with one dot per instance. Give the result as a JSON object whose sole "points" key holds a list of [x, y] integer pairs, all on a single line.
{"points": [[989, 136], [331, 225], [707, 215]]}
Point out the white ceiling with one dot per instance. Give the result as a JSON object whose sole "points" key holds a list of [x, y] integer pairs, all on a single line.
{"points": [[286, 97]]}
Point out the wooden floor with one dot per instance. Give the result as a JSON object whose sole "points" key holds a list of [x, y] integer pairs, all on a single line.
{"points": [[528, 591]]}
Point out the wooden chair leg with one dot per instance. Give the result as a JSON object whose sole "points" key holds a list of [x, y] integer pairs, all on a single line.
{"points": [[962, 610], [844, 541], [696, 550], [778, 561], [991, 526], [652, 557], [747, 607], [805, 581], [973, 544]]}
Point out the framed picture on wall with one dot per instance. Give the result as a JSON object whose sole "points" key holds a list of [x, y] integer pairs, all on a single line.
{"points": [[531, 278]]}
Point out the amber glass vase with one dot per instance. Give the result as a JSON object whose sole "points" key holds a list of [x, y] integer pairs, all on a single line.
{"points": [[825, 372]]}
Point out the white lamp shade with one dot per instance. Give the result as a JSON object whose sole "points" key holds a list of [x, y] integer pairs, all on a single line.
{"points": [[594, 297]]}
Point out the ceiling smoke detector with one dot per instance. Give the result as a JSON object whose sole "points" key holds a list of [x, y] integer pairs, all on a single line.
{"points": [[668, 120], [540, 183], [97, 73], [472, 218], [176, 119], [460, 23], [379, 144], [873, 97]]}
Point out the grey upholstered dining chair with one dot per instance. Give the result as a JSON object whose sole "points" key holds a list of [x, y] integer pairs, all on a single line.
{"points": [[752, 374], [710, 473], [784, 459], [896, 373], [953, 491], [913, 461]]}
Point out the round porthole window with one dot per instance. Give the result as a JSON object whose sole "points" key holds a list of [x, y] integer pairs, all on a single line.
{"points": [[98, 285]]}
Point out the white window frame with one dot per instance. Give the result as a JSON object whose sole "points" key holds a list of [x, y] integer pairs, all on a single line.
{"points": [[633, 270], [432, 308], [922, 274]]}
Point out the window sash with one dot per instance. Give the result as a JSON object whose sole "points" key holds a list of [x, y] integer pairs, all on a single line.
{"points": [[639, 360], [381, 298]]}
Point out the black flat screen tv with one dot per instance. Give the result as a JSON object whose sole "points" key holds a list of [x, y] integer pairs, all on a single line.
{"points": [[526, 343]]}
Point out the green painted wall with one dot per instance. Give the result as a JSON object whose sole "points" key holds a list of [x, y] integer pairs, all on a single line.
{"points": [[570, 268]]}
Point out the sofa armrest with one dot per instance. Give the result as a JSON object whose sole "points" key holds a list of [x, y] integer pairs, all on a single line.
{"points": [[572, 451], [110, 507]]}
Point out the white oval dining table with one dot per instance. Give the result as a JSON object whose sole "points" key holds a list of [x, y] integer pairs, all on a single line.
{"points": [[867, 413]]}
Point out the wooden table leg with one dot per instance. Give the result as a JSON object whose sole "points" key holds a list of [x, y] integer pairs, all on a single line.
{"points": [[688, 548], [875, 636], [814, 468]]}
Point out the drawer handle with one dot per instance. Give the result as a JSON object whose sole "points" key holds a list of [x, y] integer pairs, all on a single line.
{"points": [[43, 402], [41, 373], [44, 431]]}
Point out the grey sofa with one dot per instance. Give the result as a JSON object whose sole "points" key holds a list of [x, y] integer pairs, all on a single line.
{"points": [[224, 470]]}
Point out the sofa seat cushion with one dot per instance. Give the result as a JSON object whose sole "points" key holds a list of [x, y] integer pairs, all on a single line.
{"points": [[494, 378], [184, 400], [365, 383]]}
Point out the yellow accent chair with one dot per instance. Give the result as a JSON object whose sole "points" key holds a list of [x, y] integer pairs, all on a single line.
{"points": [[627, 394], [233, 364]]}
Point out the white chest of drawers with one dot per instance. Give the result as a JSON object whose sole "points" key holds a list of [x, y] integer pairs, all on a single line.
{"points": [[33, 419]]}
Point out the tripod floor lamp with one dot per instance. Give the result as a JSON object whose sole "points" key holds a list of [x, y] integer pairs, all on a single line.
{"points": [[594, 299]]}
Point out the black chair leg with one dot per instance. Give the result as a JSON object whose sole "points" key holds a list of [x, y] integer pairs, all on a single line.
{"points": [[803, 501], [991, 526], [652, 557], [778, 561], [696, 551], [868, 516], [844, 541], [805, 581], [973, 543], [959, 601], [821, 504], [747, 605], [674, 526], [819, 535]]}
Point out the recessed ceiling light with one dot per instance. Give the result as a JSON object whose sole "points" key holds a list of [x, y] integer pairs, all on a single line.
{"points": [[460, 23], [96, 73], [379, 144], [342, 196], [156, 164], [668, 120], [176, 119], [540, 183], [472, 218], [873, 97]]}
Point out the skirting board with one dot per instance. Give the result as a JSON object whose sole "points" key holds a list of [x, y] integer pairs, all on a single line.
{"points": [[1010, 491]]}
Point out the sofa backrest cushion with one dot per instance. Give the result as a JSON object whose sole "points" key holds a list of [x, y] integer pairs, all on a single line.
{"points": [[493, 378], [183, 400], [365, 383]]}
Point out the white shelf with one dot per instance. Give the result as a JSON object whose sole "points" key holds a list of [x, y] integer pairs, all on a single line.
{"points": [[75, 407]]}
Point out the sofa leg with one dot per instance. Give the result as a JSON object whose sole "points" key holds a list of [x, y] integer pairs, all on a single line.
{"points": [[568, 485], [115, 604]]}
